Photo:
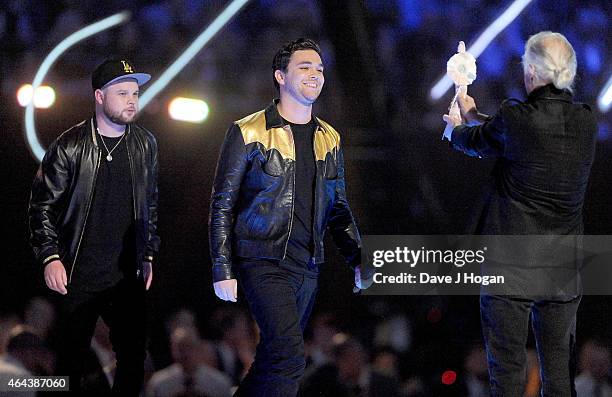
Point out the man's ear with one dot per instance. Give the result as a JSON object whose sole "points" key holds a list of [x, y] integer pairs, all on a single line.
{"points": [[280, 77], [532, 72], [99, 96]]}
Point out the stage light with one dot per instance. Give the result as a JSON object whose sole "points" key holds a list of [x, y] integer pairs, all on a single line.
{"points": [[43, 99], [449, 377], [481, 43], [604, 101], [34, 144], [191, 51], [188, 109], [24, 95], [164, 79]]}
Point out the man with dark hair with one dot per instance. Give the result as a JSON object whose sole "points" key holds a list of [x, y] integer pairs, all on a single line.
{"points": [[93, 226], [279, 185]]}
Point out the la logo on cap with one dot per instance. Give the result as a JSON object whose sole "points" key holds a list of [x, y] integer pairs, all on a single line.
{"points": [[126, 67]]}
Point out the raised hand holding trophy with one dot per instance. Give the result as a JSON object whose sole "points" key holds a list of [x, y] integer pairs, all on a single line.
{"points": [[461, 68]]}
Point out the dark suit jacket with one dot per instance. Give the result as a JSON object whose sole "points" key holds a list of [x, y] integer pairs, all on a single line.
{"points": [[544, 148]]}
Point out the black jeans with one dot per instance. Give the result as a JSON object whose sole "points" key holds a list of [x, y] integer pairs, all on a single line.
{"points": [[505, 323], [122, 308], [281, 301]]}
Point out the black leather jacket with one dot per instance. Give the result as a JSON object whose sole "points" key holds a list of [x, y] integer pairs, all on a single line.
{"points": [[63, 189], [252, 200], [544, 148]]}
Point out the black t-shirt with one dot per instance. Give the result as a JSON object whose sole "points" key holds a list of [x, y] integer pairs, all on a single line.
{"points": [[107, 252], [300, 246]]}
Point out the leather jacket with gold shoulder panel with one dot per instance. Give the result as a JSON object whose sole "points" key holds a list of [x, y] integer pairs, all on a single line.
{"points": [[252, 201]]}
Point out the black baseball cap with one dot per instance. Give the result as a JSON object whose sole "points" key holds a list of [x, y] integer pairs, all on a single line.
{"points": [[115, 69]]}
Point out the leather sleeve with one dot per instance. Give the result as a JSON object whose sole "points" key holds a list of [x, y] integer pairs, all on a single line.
{"points": [[484, 140], [47, 200], [341, 223], [153, 241], [231, 168]]}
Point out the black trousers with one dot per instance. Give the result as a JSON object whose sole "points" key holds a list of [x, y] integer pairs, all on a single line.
{"points": [[505, 323], [281, 301], [122, 308]]}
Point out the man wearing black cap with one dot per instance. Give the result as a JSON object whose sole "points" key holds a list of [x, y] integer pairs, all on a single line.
{"points": [[93, 226]]}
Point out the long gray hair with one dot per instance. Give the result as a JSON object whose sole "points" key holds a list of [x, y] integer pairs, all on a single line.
{"points": [[553, 59]]}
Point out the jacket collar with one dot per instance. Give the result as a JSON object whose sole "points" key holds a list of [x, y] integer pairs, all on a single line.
{"points": [[92, 130], [274, 119], [93, 125], [549, 91]]}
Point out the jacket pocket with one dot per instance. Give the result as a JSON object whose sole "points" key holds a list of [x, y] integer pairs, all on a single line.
{"points": [[274, 163], [331, 168]]}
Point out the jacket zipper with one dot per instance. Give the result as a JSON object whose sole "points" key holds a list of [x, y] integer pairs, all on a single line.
{"points": [[133, 193], [293, 194], [315, 212], [76, 254]]}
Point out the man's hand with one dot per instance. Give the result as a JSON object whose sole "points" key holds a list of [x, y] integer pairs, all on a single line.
{"points": [[468, 107], [55, 277], [147, 272], [453, 119], [227, 290], [469, 110], [361, 283]]}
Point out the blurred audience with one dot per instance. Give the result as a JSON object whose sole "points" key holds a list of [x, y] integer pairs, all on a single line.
{"points": [[39, 315], [193, 372], [349, 374], [533, 385], [394, 331], [319, 339], [11, 368], [235, 340], [27, 353], [595, 378], [7, 323], [183, 318], [476, 374], [386, 361]]}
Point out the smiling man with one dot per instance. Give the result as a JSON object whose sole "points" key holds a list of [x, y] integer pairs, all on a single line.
{"points": [[93, 226], [279, 185]]}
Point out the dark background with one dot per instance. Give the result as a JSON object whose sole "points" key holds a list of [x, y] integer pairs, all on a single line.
{"points": [[381, 60]]}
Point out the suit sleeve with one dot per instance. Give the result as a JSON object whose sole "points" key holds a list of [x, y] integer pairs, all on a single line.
{"points": [[231, 167], [153, 241], [47, 200], [342, 225], [484, 140]]}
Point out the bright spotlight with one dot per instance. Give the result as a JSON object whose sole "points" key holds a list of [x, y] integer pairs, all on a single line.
{"points": [[43, 99], [188, 109], [37, 150], [604, 101], [24, 95], [482, 42]]}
